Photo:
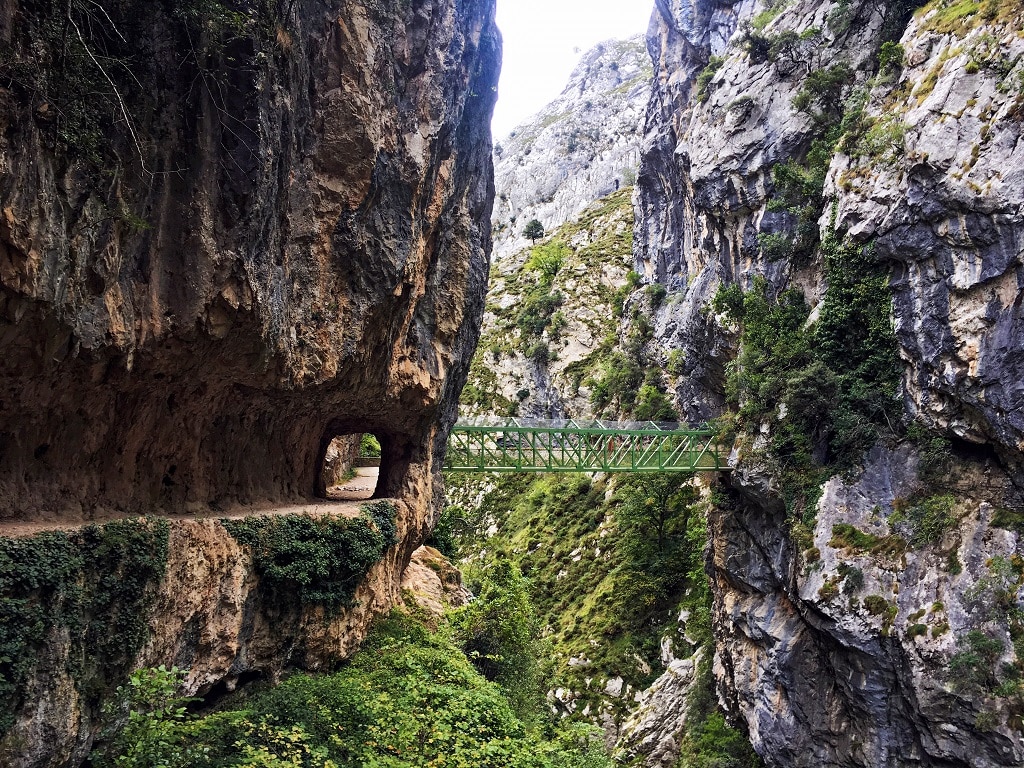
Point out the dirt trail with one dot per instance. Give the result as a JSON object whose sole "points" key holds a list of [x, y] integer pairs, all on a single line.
{"points": [[344, 500]]}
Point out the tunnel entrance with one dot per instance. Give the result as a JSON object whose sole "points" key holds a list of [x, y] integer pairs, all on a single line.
{"points": [[350, 469]]}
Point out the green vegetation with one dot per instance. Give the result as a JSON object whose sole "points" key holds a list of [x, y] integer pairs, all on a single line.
{"points": [[369, 445], [706, 76], [316, 560], [709, 741], [852, 578], [821, 94], [144, 717], [499, 633], [628, 379], [538, 305], [827, 391], [840, 17], [609, 567], [925, 520], [533, 230], [958, 17], [977, 667], [845, 536], [1011, 519], [773, 8], [95, 583], [891, 58], [974, 663], [530, 312], [408, 698], [547, 259]]}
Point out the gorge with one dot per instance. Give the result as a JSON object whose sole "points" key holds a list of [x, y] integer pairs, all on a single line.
{"points": [[231, 232]]}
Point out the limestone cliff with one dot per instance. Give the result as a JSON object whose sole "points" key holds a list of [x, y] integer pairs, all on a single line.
{"points": [[854, 168], [582, 146], [229, 232]]}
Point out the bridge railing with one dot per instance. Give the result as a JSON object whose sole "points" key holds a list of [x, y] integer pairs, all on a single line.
{"points": [[535, 445]]}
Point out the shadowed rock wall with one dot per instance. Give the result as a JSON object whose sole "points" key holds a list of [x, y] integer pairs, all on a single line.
{"points": [[229, 231]]}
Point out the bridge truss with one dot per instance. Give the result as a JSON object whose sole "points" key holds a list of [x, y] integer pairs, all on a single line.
{"points": [[535, 445]]}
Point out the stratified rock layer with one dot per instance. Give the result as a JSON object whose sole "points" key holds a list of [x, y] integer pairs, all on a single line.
{"points": [[284, 237]]}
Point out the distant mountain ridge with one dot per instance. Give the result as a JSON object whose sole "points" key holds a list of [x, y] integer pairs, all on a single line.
{"points": [[582, 146]]}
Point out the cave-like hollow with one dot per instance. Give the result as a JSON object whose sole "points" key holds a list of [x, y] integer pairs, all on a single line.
{"points": [[347, 446]]}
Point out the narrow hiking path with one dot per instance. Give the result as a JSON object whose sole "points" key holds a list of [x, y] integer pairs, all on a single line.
{"points": [[343, 500]]}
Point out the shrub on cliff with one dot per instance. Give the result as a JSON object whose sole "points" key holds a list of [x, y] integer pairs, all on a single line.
{"points": [[533, 230], [316, 560], [408, 698], [499, 632]]}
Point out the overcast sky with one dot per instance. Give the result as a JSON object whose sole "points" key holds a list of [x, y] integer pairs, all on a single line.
{"points": [[543, 41]]}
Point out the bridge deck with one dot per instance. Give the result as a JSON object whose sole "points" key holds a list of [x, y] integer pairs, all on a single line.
{"points": [[521, 445]]}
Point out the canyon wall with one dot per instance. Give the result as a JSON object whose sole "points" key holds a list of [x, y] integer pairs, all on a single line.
{"points": [[229, 232], [823, 158], [582, 146]]}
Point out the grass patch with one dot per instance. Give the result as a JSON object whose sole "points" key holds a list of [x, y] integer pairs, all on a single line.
{"points": [[845, 536]]}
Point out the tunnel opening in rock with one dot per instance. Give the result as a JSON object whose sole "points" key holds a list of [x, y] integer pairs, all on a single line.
{"points": [[350, 468]]}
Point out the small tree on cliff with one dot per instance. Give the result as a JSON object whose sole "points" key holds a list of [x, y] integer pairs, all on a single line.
{"points": [[533, 230]]}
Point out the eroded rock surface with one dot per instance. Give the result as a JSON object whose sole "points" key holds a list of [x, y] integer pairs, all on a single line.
{"points": [[284, 239], [433, 583], [837, 650]]}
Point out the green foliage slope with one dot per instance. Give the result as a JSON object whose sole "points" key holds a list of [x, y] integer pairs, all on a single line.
{"points": [[609, 567], [408, 698]]}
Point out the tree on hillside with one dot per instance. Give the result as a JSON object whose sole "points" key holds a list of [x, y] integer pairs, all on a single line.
{"points": [[655, 512], [533, 230]]}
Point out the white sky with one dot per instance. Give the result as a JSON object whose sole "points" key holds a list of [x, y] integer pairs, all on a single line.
{"points": [[540, 37]]}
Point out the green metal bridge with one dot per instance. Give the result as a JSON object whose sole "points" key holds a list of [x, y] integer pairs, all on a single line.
{"points": [[535, 445]]}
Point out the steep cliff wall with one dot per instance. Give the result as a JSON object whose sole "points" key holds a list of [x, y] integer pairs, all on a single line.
{"points": [[229, 232], [849, 172], [582, 146]]}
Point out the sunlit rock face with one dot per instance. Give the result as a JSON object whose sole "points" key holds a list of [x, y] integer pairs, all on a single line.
{"points": [[281, 235], [823, 670], [582, 146]]}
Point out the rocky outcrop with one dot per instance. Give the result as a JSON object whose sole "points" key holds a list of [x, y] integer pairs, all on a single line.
{"points": [[653, 730], [283, 237], [229, 233], [433, 584], [846, 644], [580, 147], [339, 459]]}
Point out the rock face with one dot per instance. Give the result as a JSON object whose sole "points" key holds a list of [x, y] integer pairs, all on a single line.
{"points": [[433, 584], [282, 238], [229, 233], [580, 147], [653, 729], [848, 648]]}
